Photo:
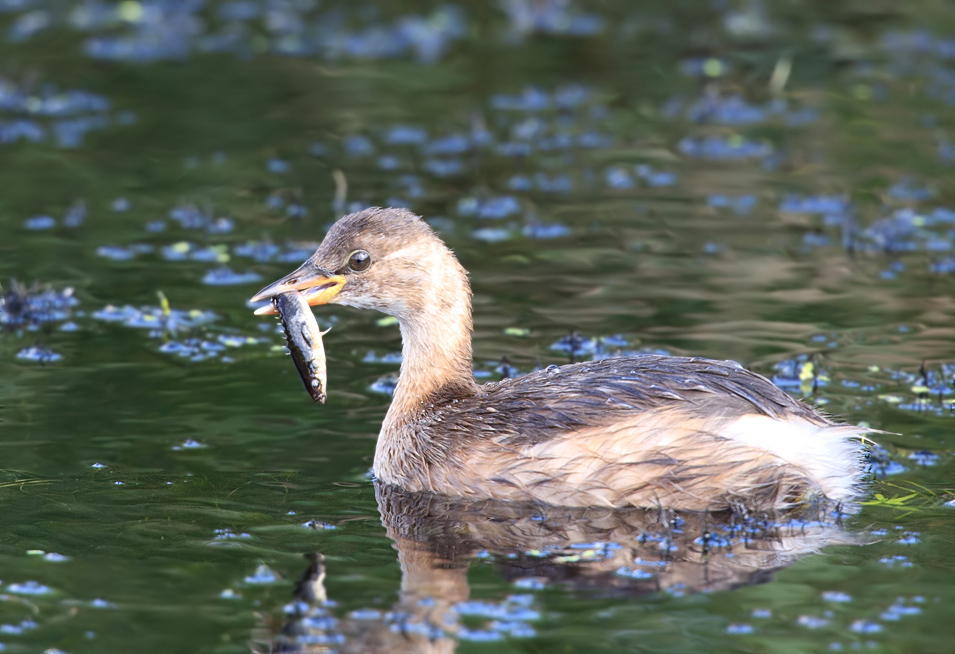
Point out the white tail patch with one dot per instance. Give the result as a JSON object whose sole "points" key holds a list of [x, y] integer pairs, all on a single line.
{"points": [[831, 455]]}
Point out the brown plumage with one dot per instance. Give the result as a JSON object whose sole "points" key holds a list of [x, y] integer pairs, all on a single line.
{"points": [[629, 431]]}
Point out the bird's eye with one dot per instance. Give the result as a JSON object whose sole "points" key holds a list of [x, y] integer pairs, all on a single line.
{"points": [[359, 261]]}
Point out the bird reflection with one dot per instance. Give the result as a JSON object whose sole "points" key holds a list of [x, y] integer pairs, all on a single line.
{"points": [[604, 552]]}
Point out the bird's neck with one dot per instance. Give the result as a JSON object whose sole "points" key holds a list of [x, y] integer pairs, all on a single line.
{"points": [[436, 358]]}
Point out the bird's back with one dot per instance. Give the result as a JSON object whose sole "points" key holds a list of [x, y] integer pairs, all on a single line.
{"points": [[547, 403]]}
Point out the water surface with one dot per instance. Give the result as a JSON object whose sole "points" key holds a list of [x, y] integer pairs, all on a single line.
{"points": [[732, 180]]}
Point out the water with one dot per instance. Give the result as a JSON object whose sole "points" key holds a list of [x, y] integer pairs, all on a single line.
{"points": [[724, 179]]}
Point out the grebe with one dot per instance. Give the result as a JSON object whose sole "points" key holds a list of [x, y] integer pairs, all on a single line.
{"points": [[645, 431]]}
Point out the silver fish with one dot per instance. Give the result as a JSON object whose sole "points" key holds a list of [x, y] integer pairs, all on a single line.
{"points": [[304, 342]]}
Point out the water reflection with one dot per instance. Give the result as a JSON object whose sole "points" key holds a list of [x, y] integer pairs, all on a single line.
{"points": [[602, 552]]}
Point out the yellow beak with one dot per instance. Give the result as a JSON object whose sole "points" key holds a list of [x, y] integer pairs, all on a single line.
{"points": [[317, 285]]}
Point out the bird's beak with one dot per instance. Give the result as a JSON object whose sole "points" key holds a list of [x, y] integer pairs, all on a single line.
{"points": [[317, 285]]}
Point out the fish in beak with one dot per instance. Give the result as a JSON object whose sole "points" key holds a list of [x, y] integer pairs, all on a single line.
{"points": [[317, 286]]}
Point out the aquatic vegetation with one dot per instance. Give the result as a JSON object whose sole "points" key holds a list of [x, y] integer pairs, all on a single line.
{"points": [[262, 575], [38, 353], [534, 99], [189, 444], [265, 251], [541, 182], [23, 307], [388, 357], [836, 596], [813, 622], [656, 178], [28, 588], [492, 234], [191, 217], [720, 148], [45, 113], [705, 67], [801, 373], [575, 344], [385, 385], [550, 17], [733, 109], [166, 323], [185, 251], [514, 608], [124, 252], [493, 208], [228, 534], [618, 177], [900, 609], [541, 231], [907, 230], [225, 276], [406, 135], [814, 204], [739, 628], [194, 349], [149, 317], [882, 464], [741, 205], [172, 31], [897, 561], [40, 222]]}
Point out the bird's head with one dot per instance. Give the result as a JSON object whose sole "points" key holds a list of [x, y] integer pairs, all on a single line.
{"points": [[389, 260]]}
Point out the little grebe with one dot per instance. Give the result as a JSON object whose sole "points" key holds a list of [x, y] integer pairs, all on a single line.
{"points": [[640, 431]]}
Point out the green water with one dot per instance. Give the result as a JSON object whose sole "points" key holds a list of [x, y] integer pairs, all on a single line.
{"points": [[96, 455]]}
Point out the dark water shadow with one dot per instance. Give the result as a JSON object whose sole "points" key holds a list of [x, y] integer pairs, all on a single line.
{"points": [[591, 551]]}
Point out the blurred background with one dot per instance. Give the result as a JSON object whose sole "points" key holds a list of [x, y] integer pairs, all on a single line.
{"points": [[768, 182]]}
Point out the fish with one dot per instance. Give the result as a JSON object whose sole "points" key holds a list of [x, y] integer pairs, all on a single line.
{"points": [[304, 342]]}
